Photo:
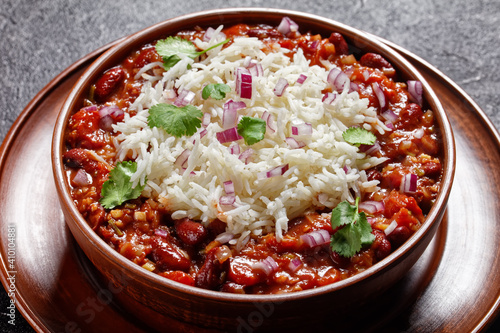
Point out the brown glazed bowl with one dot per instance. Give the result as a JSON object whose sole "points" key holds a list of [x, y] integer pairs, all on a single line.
{"points": [[154, 298]]}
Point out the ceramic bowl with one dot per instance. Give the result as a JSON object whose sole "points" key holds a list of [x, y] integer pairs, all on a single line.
{"points": [[156, 299]]}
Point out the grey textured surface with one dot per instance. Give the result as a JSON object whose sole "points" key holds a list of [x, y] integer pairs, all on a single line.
{"points": [[39, 39]]}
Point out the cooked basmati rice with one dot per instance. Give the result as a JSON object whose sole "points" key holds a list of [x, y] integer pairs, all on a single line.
{"points": [[324, 172]]}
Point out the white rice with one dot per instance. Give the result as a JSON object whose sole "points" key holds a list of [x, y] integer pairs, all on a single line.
{"points": [[262, 205]]}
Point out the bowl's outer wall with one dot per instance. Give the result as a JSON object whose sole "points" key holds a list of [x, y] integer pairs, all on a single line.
{"points": [[220, 310]]}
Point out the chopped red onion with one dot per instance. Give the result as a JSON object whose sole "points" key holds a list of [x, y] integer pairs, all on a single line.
{"points": [[370, 149], [337, 79], [371, 220], [419, 133], [316, 238], [294, 265], [111, 110], [243, 82], [82, 178], [416, 90], [255, 69], [269, 119], [302, 78], [268, 266], [389, 115], [203, 133], [246, 155], [287, 25], [277, 171], [379, 93], [90, 108], [234, 148], [302, 129], [389, 125], [294, 144], [161, 232], [229, 187], [391, 228], [228, 135], [353, 87], [329, 98], [185, 97], [280, 87], [227, 200], [372, 207], [409, 183], [106, 123], [346, 169], [206, 119], [229, 117], [366, 74], [182, 159], [208, 34]]}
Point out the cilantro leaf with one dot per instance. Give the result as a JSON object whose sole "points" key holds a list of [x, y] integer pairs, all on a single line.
{"points": [[177, 121], [170, 48], [252, 129], [355, 231], [357, 136], [118, 188], [217, 91]]}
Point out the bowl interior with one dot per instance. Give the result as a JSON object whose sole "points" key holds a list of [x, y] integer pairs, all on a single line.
{"points": [[359, 43]]}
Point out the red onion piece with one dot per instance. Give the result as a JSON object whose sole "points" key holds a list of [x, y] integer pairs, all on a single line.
{"points": [[370, 149], [280, 87], [161, 232], [255, 68], [246, 155], [337, 79], [366, 74], [269, 119], [185, 97], [372, 207], [228, 135], [409, 183], [229, 118], [277, 171], [287, 25], [302, 129], [90, 108], [389, 115], [203, 133], [227, 200], [302, 78], [208, 34], [353, 87], [229, 187], [379, 93], [243, 83], [416, 90], [268, 266], [391, 228], [106, 123], [182, 159], [329, 98], [82, 178], [294, 265], [316, 238], [389, 125], [234, 148], [419, 133], [294, 144], [111, 110]]}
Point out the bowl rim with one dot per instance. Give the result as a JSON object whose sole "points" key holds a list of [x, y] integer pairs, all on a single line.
{"points": [[432, 220]]}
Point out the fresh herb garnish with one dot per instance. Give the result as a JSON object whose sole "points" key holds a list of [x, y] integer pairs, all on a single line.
{"points": [[357, 136], [252, 129], [355, 230], [171, 47], [177, 121], [118, 188], [215, 90]]}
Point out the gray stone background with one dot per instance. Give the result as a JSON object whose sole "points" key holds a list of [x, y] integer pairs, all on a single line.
{"points": [[39, 39]]}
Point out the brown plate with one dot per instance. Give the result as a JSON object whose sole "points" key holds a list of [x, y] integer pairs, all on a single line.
{"points": [[453, 287]]}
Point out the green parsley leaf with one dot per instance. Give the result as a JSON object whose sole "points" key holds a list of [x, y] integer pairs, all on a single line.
{"points": [[252, 129], [118, 188], [355, 231], [170, 48], [215, 90], [177, 121], [358, 136]]}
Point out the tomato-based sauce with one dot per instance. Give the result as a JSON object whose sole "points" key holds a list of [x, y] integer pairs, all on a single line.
{"points": [[186, 251]]}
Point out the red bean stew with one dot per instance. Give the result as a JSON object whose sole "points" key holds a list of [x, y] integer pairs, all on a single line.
{"points": [[187, 251]]}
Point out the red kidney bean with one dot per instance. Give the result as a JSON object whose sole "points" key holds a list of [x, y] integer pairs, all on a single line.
{"points": [[381, 245], [340, 261], [432, 169], [338, 40], [81, 158], [168, 256], [108, 82], [264, 33], [374, 60], [146, 56], [399, 235], [209, 275], [374, 175], [410, 115], [190, 232]]}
